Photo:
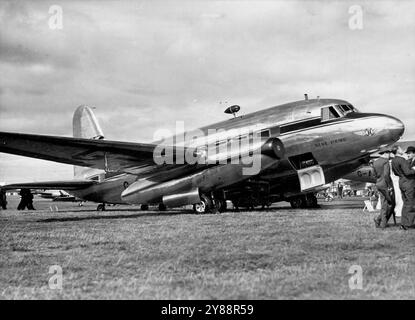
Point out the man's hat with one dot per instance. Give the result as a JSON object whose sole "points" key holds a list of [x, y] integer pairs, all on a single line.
{"points": [[410, 149]]}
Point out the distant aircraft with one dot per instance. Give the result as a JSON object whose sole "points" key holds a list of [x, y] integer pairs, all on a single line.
{"points": [[49, 194], [303, 145], [56, 195]]}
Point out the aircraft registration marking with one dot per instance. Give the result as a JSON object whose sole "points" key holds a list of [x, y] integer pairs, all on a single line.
{"points": [[328, 143]]}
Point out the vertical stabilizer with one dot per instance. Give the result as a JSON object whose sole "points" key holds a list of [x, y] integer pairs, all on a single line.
{"points": [[85, 125]]}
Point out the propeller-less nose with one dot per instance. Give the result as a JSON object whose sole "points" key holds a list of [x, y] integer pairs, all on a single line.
{"points": [[395, 127]]}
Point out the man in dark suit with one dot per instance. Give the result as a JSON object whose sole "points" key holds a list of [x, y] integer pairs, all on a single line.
{"points": [[402, 168], [384, 185], [3, 199]]}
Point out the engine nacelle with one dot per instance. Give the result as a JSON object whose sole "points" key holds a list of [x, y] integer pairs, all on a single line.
{"points": [[181, 199], [273, 147]]}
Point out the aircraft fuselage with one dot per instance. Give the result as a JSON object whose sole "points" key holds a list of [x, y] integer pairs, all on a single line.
{"points": [[314, 133]]}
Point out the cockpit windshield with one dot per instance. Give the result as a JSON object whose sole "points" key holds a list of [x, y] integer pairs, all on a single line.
{"points": [[336, 111], [345, 108]]}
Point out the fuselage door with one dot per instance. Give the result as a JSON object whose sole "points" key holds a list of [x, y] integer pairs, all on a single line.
{"points": [[310, 173]]}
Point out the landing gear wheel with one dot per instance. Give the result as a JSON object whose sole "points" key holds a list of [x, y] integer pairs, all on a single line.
{"points": [[297, 202], [144, 207], [204, 206], [101, 207], [162, 207], [200, 207]]}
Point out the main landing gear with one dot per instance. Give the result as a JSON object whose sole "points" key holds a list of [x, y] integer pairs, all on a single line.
{"points": [[304, 201], [209, 205], [101, 207]]}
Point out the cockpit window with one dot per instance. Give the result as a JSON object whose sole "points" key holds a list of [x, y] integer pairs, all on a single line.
{"points": [[329, 113], [336, 111], [352, 108], [344, 109]]}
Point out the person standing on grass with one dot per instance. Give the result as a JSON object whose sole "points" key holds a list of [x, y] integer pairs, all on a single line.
{"points": [[30, 201], [23, 199], [340, 190], [384, 185], [402, 168], [26, 200], [3, 199]]}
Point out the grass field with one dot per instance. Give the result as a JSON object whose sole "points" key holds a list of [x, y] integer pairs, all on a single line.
{"points": [[278, 253]]}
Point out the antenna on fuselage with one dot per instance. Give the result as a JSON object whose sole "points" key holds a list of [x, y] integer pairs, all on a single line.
{"points": [[305, 96]]}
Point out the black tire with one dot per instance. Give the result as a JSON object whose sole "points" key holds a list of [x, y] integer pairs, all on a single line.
{"points": [[101, 207], [144, 207], [297, 202], [162, 207]]}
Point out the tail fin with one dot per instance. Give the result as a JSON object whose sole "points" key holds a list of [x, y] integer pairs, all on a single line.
{"points": [[86, 126]]}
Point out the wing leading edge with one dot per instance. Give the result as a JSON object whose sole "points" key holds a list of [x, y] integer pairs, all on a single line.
{"points": [[51, 185]]}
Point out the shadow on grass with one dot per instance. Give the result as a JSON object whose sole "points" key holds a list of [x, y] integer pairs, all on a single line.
{"points": [[102, 216], [110, 217]]}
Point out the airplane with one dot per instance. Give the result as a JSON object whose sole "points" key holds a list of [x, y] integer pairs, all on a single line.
{"points": [[56, 195], [302, 146], [50, 194]]}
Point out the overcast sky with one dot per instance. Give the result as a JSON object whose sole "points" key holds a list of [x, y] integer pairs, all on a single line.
{"points": [[144, 65]]}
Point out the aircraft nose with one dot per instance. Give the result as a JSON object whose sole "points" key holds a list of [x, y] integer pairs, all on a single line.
{"points": [[395, 127]]}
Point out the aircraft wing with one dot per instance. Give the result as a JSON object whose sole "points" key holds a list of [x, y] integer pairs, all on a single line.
{"points": [[101, 154], [51, 185]]}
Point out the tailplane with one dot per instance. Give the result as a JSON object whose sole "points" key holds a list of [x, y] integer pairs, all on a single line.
{"points": [[85, 125]]}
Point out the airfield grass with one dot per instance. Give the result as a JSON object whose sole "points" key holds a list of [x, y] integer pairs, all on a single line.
{"points": [[279, 253]]}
